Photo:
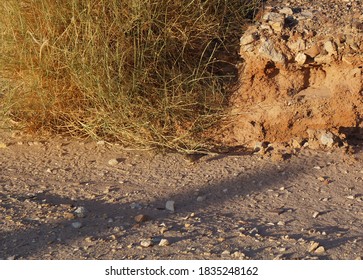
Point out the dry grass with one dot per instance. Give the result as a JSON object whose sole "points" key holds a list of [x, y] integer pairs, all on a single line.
{"points": [[140, 72]]}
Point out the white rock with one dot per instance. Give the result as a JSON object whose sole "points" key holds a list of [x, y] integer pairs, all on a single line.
{"points": [[201, 198], [327, 139], [268, 50], [170, 205], [300, 58], [146, 243], [164, 242]]}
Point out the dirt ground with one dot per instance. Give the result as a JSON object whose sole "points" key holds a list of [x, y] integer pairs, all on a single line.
{"points": [[68, 199]]}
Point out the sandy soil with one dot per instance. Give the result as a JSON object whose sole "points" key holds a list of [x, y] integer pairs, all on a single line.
{"points": [[231, 206]]}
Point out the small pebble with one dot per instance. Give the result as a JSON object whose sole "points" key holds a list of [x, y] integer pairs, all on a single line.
{"points": [[170, 205], [226, 253], [77, 225], [320, 250], [141, 218], [316, 214], [80, 212], [313, 246], [113, 162], [146, 243], [164, 242], [201, 198], [280, 223]]}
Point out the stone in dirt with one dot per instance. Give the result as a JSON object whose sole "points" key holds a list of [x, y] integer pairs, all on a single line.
{"points": [[80, 212], [313, 246], [113, 162], [146, 243], [77, 225], [320, 250], [164, 242], [170, 205], [141, 218]]}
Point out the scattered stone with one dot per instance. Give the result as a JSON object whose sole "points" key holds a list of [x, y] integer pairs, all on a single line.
{"points": [[2, 145], [320, 250], [239, 255], [88, 239], [300, 58], [113, 162], [351, 197], [146, 243], [80, 212], [101, 143], [327, 139], [226, 253], [280, 223], [313, 246], [201, 198], [141, 218], [268, 50], [321, 179], [316, 214], [77, 225], [170, 205], [164, 242], [11, 258], [330, 47]]}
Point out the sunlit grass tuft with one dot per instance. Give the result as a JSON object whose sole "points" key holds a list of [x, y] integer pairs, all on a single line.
{"points": [[140, 72]]}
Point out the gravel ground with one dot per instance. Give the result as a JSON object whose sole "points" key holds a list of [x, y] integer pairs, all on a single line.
{"points": [[68, 199]]}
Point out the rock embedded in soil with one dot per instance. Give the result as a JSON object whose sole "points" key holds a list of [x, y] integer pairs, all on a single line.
{"points": [[170, 205], [141, 218], [146, 243], [113, 162], [320, 250], [164, 242], [77, 225], [313, 246], [80, 212]]}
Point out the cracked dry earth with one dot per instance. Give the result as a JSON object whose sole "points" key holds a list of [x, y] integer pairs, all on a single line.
{"points": [[70, 199]]}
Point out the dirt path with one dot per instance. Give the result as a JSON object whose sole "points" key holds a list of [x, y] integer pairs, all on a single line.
{"points": [[231, 206]]}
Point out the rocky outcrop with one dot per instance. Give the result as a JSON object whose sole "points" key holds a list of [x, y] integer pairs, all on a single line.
{"points": [[302, 72]]}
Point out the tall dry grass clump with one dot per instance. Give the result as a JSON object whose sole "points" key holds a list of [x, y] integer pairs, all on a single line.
{"points": [[141, 72]]}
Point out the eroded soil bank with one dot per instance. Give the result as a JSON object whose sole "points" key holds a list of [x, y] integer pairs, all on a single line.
{"points": [[301, 77]]}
